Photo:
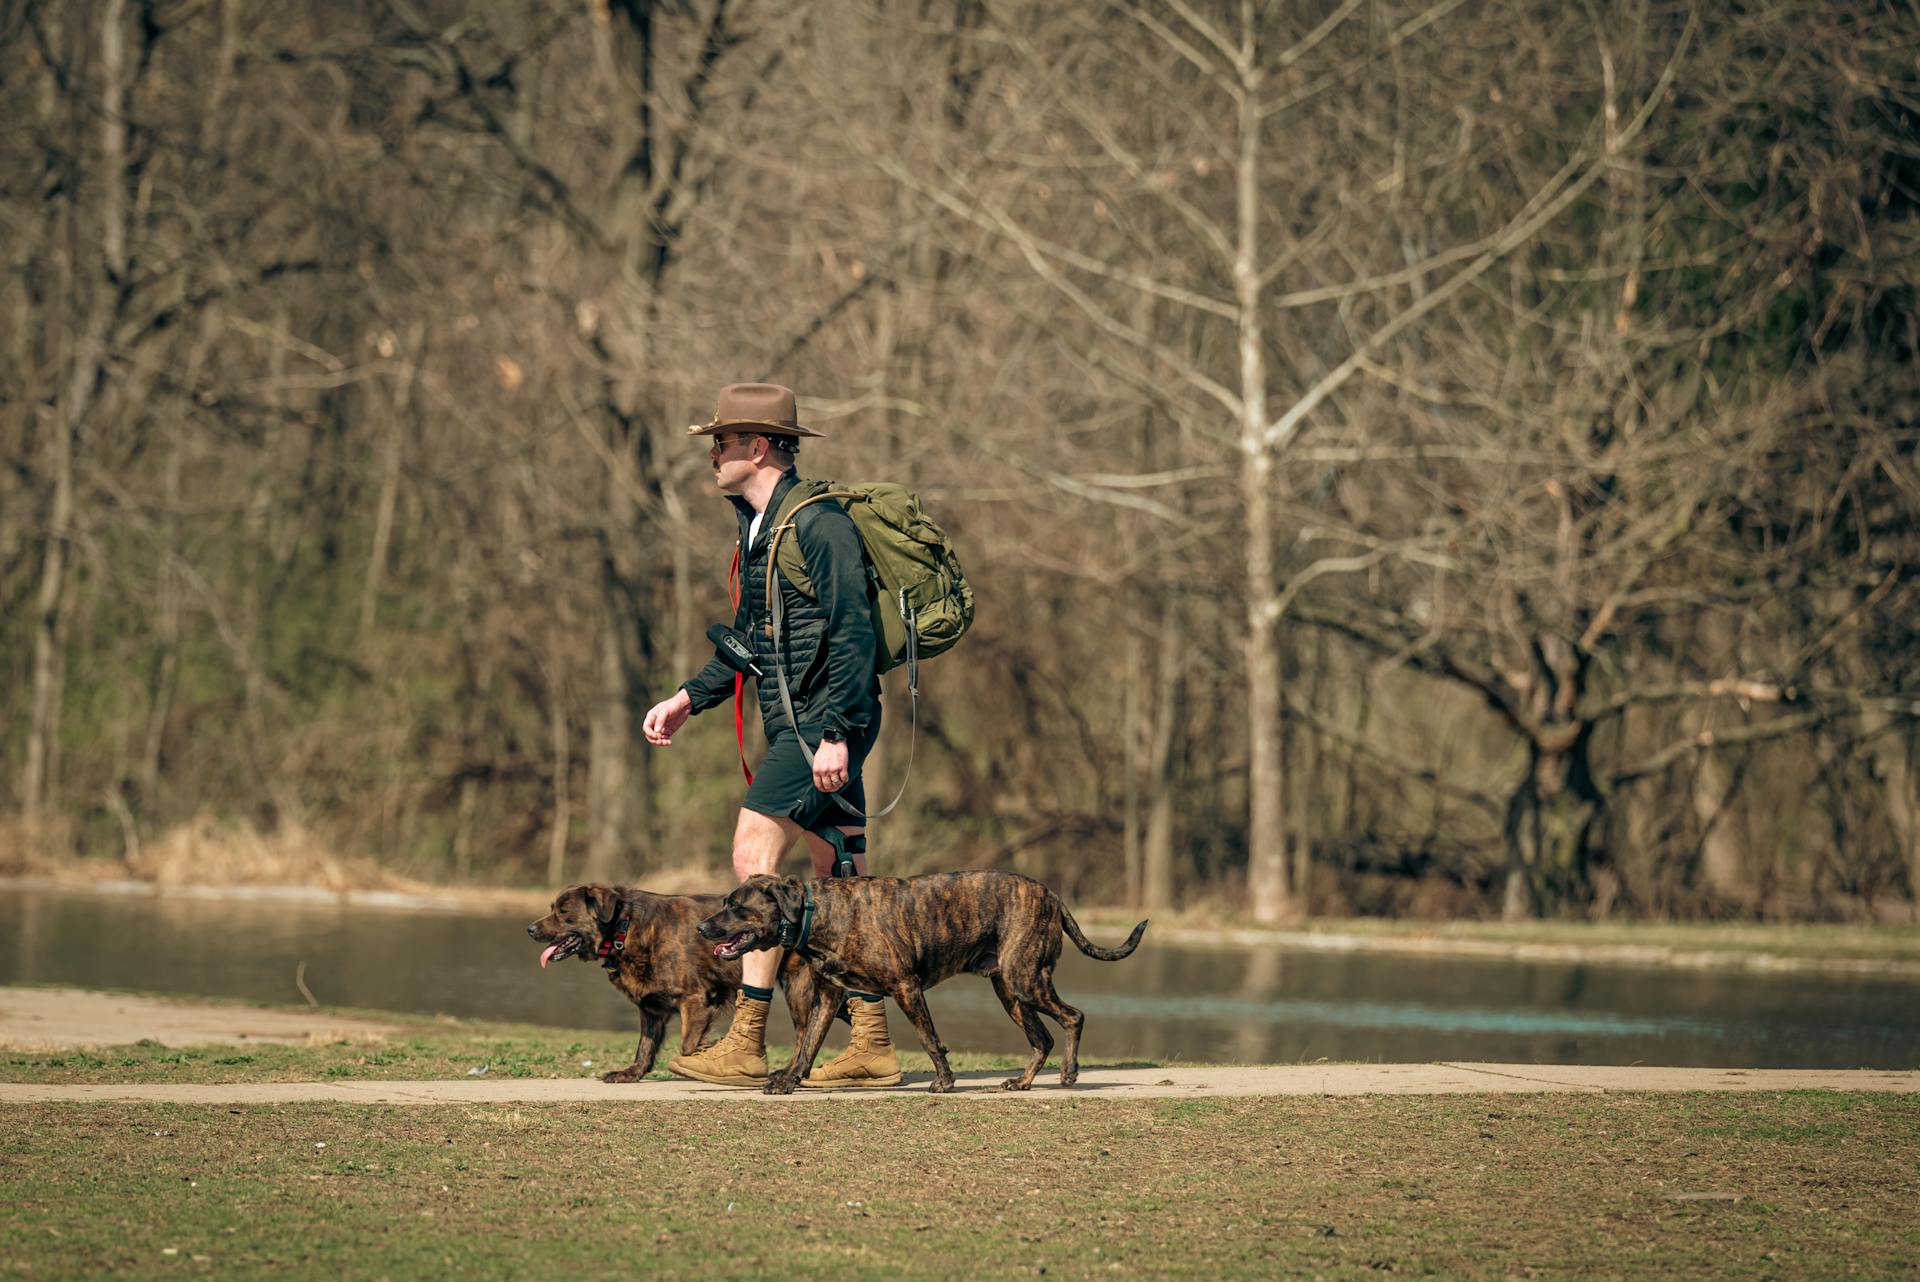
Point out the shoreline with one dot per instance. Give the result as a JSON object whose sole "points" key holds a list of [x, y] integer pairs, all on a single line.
{"points": [[1414, 939]]}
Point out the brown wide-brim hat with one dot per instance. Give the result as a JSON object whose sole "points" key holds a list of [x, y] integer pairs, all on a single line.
{"points": [[766, 408]]}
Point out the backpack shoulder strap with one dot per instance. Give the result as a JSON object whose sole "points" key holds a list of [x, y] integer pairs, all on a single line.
{"points": [[787, 519]]}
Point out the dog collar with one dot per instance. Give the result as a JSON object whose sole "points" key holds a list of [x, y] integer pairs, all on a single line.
{"points": [[793, 934], [614, 945]]}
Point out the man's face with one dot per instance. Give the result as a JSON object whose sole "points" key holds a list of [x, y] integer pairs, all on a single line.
{"points": [[733, 455]]}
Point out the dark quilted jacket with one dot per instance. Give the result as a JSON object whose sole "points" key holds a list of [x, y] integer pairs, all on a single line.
{"points": [[827, 642]]}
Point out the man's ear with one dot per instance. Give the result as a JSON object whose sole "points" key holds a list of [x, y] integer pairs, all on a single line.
{"points": [[790, 895], [603, 902]]}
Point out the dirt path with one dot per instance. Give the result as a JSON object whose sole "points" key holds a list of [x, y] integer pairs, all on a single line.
{"points": [[57, 1018], [1099, 1083]]}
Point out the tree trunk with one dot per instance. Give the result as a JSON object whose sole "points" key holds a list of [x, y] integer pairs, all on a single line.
{"points": [[1723, 870], [1297, 753], [37, 780], [554, 675], [675, 780], [1133, 729], [399, 403], [617, 791], [1896, 765], [1550, 821], [609, 761], [1266, 785], [1266, 793], [1157, 846], [95, 292], [166, 659], [562, 820]]}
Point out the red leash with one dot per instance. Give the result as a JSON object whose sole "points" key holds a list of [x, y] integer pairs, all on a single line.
{"points": [[739, 678]]}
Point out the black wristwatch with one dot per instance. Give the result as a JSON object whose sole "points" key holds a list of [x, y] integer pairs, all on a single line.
{"points": [[832, 736]]}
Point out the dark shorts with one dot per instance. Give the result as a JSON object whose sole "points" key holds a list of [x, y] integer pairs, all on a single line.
{"points": [[783, 782]]}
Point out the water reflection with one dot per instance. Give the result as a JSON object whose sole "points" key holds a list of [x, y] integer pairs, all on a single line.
{"points": [[1167, 1002]]}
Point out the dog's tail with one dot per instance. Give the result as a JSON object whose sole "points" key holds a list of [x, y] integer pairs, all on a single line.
{"points": [[1094, 950]]}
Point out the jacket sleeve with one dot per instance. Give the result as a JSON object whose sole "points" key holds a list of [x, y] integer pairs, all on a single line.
{"points": [[713, 684], [837, 564]]}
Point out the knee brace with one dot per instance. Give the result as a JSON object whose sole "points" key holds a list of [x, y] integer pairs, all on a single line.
{"points": [[845, 846]]}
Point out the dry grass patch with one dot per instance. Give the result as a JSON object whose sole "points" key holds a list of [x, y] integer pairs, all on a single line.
{"points": [[1802, 1185]]}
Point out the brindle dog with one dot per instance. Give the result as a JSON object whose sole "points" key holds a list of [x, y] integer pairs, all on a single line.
{"points": [[660, 964], [886, 935]]}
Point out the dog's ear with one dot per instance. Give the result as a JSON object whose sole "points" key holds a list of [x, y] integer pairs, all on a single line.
{"points": [[602, 901], [789, 895]]}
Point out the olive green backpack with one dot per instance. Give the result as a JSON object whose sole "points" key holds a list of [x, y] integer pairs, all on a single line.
{"points": [[921, 601]]}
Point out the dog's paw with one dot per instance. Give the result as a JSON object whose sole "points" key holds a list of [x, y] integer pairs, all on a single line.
{"points": [[1068, 1078], [940, 1085], [1015, 1084], [781, 1084], [620, 1076]]}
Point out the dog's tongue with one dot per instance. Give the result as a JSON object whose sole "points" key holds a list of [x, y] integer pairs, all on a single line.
{"points": [[547, 956]]}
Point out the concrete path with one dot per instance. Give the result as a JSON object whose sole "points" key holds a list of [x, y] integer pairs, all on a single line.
{"points": [[45, 1018], [1095, 1083]]}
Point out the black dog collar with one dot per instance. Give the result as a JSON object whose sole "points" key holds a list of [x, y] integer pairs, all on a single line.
{"points": [[614, 945], [793, 934]]}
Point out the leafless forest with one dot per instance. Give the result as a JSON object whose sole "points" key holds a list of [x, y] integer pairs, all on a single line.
{"points": [[1453, 457]]}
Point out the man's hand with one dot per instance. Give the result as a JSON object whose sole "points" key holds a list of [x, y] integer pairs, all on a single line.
{"points": [[667, 716], [830, 767]]}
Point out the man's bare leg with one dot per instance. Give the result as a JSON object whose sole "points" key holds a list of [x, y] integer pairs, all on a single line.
{"points": [[740, 1058], [758, 842]]}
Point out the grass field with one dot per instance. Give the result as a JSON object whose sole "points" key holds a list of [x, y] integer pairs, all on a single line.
{"points": [[1806, 1185], [1799, 1185]]}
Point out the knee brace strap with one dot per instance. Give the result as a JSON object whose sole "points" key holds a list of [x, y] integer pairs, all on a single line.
{"points": [[845, 846]]}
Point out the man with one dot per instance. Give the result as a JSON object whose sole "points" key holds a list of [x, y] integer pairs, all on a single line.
{"points": [[827, 652]]}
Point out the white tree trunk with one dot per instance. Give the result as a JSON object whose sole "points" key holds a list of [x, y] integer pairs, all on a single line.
{"points": [[1266, 793]]}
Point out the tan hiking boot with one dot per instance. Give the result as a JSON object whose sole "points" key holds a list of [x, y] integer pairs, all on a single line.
{"points": [[739, 1058], [868, 1060]]}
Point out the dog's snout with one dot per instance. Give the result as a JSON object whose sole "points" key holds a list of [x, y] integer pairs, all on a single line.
{"points": [[710, 929], [533, 929]]}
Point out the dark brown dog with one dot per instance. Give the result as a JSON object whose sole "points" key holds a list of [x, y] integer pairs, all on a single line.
{"points": [[652, 953], [886, 935]]}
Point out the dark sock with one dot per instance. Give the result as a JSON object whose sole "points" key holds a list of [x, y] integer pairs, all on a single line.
{"points": [[758, 994], [867, 997]]}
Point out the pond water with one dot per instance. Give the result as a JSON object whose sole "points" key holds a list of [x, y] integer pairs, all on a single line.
{"points": [[1168, 1002]]}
